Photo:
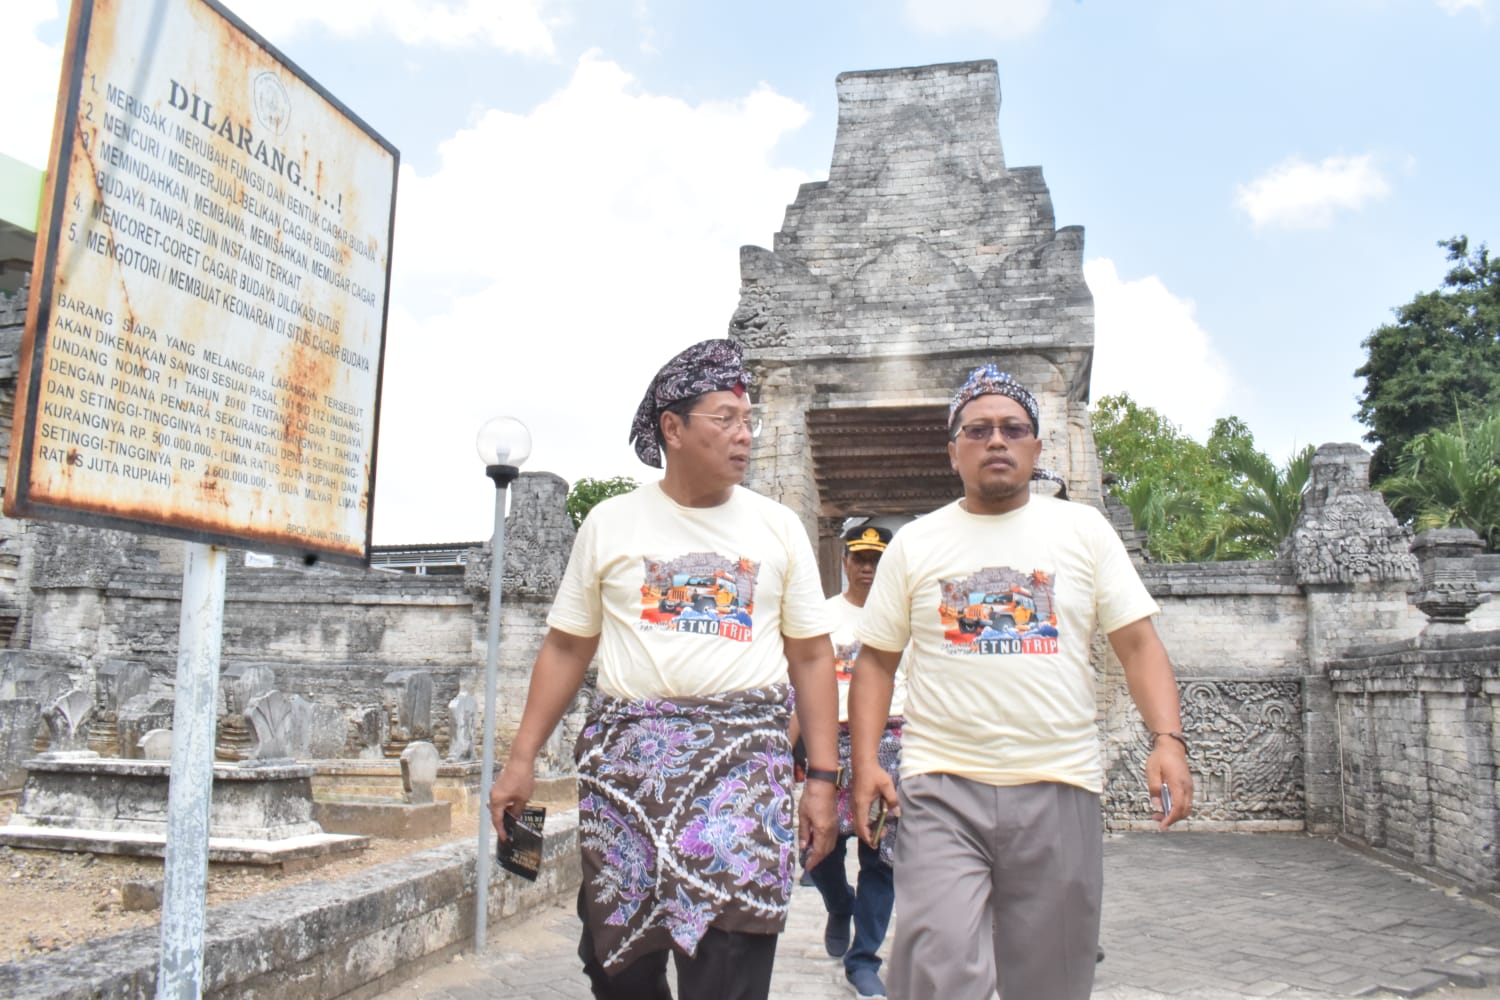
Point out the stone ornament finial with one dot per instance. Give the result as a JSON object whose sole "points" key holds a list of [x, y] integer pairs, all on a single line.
{"points": [[1345, 532], [279, 723], [1450, 581], [67, 721]]}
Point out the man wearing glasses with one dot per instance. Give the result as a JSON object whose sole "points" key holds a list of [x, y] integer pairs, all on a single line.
{"points": [[999, 863], [701, 600]]}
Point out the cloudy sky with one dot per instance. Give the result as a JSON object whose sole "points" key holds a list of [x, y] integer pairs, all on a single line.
{"points": [[1260, 183]]}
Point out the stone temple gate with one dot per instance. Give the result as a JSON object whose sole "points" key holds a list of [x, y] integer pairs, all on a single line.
{"points": [[922, 256]]}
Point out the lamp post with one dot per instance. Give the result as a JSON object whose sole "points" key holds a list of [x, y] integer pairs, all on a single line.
{"points": [[503, 444]]}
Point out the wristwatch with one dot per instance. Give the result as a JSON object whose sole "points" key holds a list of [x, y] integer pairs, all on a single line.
{"points": [[821, 774]]}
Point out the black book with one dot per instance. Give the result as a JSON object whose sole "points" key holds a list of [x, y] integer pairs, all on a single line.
{"points": [[522, 852]]}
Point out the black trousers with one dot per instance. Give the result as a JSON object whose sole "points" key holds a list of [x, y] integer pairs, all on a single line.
{"points": [[728, 966]]}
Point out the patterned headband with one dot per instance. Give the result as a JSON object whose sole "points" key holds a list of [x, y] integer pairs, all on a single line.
{"points": [[991, 381], [709, 366]]}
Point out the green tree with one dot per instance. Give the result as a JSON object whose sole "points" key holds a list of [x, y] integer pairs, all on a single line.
{"points": [[1451, 479], [586, 493], [1197, 502], [1176, 493], [1438, 362], [1266, 499]]}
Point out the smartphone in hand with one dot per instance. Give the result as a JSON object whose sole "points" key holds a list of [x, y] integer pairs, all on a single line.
{"points": [[1166, 800]]}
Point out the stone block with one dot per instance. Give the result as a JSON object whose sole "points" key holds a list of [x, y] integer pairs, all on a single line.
{"points": [[156, 745], [19, 719], [388, 820], [141, 894], [419, 770]]}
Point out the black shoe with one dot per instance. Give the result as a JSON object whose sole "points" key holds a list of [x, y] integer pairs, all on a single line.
{"points": [[836, 934], [866, 984]]}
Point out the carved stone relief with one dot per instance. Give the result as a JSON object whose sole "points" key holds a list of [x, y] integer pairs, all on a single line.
{"points": [[1345, 533], [1246, 754]]}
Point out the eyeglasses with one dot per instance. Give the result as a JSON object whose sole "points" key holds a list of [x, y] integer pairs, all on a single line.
{"points": [[983, 432], [729, 422]]}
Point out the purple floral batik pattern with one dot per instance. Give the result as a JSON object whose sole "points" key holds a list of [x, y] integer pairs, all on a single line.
{"points": [[685, 819], [890, 763]]}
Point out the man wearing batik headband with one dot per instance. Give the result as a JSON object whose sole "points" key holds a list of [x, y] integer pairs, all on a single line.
{"points": [[701, 599], [994, 599]]}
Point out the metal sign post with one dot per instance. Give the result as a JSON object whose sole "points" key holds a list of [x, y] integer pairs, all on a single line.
{"points": [[204, 339], [190, 792]]}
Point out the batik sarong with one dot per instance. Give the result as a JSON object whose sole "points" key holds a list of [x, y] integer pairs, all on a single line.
{"points": [[890, 762], [685, 820]]}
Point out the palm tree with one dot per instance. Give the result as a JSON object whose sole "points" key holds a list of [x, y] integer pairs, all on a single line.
{"points": [[1266, 501], [1178, 528], [1451, 479]]}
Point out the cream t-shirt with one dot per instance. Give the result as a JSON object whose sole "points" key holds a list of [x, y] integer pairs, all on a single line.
{"points": [[999, 611], [690, 601], [846, 650]]}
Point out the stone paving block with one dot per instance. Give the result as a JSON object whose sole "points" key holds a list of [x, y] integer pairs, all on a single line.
{"points": [[1414, 984]]}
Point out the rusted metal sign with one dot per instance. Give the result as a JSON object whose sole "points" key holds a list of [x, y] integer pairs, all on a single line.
{"points": [[206, 329]]}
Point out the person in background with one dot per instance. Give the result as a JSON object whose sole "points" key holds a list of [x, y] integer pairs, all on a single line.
{"points": [[867, 904]]}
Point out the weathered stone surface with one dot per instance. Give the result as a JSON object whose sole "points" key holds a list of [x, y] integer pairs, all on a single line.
{"points": [[329, 731], [282, 725], [130, 797], [116, 683], [538, 536], [299, 943], [67, 721], [1246, 755], [1449, 590], [156, 745], [19, 719], [463, 723], [1420, 774], [419, 771], [1346, 533], [141, 894], [922, 256], [242, 683], [141, 715], [408, 703], [387, 820]]}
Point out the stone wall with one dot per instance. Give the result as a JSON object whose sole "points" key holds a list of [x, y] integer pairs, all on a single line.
{"points": [[1419, 733], [333, 635]]}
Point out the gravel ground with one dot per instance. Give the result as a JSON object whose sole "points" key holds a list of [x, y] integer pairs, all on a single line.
{"points": [[53, 899]]}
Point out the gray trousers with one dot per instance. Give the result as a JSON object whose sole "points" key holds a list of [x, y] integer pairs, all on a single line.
{"points": [[996, 887]]}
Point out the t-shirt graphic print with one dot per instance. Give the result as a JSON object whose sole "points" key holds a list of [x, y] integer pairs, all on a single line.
{"points": [[701, 593], [844, 655], [999, 611]]}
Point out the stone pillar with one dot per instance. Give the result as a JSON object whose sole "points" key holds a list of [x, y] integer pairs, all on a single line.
{"points": [[1354, 563]]}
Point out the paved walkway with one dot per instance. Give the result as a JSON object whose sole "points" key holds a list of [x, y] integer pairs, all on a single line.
{"points": [[1195, 915]]}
